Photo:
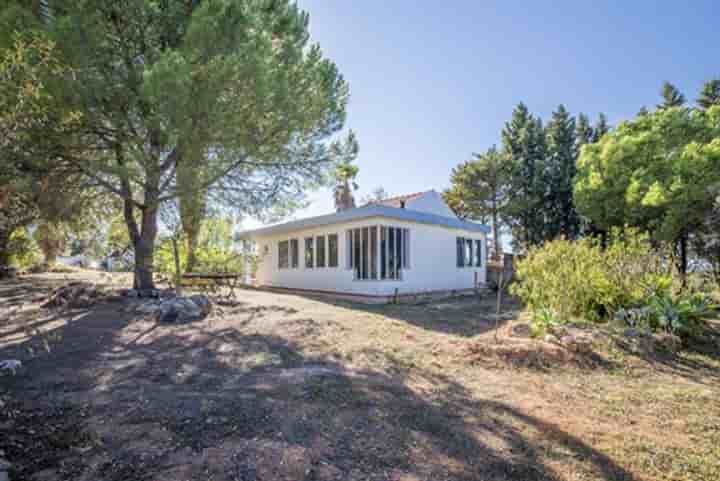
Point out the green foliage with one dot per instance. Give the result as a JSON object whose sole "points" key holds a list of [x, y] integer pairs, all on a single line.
{"points": [[544, 320], [710, 94], [577, 280], [657, 173], [683, 315], [24, 251], [215, 252], [671, 96], [479, 189]]}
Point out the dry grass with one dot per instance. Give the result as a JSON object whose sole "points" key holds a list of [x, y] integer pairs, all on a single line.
{"points": [[278, 386]]}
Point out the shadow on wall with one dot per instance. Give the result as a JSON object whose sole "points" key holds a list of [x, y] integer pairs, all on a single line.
{"points": [[172, 402]]}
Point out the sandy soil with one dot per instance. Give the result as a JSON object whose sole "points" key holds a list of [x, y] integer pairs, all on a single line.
{"points": [[282, 387]]}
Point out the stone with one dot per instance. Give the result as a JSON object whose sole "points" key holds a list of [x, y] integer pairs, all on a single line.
{"points": [[147, 308], [667, 342], [12, 365], [184, 309], [575, 343], [521, 330]]}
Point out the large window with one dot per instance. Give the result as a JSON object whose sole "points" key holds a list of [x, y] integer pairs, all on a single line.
{"points": [[309, 253], [378, 252], [294, 253], [469, 252], [283, 255], [320, 251], [288, 254], [332, 250]]}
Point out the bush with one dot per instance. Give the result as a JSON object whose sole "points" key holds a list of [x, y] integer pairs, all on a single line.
{"points": [[24, 251], [216, 251], [577, 280]]}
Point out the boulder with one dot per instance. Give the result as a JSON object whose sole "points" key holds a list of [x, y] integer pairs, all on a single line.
{"points": [[184, 309]]}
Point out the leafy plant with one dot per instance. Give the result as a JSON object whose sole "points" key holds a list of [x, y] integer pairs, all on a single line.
{"points": [[580, 280], [544, 319], [682, 316]]}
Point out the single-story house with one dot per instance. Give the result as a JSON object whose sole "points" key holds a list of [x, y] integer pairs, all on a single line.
{"points": [[406, 246]]}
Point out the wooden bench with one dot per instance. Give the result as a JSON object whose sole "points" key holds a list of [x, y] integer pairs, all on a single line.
{"points": [[213, 282]]}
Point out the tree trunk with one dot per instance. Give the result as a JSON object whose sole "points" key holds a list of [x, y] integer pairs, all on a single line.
{"points": [[178, 273], [496, 233], [145, 250], [4, 252], [681, 258]]}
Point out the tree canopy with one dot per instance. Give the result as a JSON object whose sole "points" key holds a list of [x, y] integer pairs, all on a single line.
{"points": [[238, 82]]}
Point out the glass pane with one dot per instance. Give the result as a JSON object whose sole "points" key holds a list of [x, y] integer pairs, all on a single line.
{"points": [[309, 254], [460, 250], [383, 253], [391, 253], [332, 250], [478, 253], [373, 253], [320, 251], [294, 253], [398, 252], [356, 248], [468, 252], [283, 254]]}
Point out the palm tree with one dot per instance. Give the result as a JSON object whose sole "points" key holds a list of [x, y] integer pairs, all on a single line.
{"points": [[345, 185]]}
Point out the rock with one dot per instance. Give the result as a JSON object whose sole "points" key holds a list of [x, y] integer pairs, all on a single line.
{"points": [[521, 330], [12, 365], [184, 309], [147, 308], [634, 333], [667, 342], [576, 343], [133, 293], [202, 302]]}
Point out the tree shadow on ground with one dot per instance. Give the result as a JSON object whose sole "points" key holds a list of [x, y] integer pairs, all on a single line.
{"points": [[465, 316], [194, 401]]}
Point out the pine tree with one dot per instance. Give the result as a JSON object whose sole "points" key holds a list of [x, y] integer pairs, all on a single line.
{"points": [[710, 94], [601, 128], [560, 171], [584, 132], [671, 96], [524, 146], [479, 190]]}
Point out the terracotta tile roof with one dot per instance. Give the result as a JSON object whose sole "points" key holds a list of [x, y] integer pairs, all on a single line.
{"points": [[399, 198]]}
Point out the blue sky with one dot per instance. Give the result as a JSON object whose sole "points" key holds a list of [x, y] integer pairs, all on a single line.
{"points": [[433, 81]]}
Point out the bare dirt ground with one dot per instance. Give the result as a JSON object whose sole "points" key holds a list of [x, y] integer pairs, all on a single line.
{"points": [[283, 387]]}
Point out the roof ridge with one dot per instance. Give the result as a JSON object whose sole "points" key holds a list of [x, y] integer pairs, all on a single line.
{"points": [[400, 197]]}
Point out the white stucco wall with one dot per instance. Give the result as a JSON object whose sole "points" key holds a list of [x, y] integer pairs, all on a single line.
{"points": [[432, 262]]}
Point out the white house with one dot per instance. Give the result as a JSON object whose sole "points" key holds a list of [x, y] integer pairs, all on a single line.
{"points": [[406, 245]]}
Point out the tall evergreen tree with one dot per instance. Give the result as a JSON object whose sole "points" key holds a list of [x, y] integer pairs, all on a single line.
{"points": [[560, 171], [584, 132], [671, 96], [524, 145], [601, 128], [478, 191], [710, 94]]}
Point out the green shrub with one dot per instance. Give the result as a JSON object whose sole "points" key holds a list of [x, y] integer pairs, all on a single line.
{"points": [[24, 251], [216, 250], [683, 316], [578, 280]]}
